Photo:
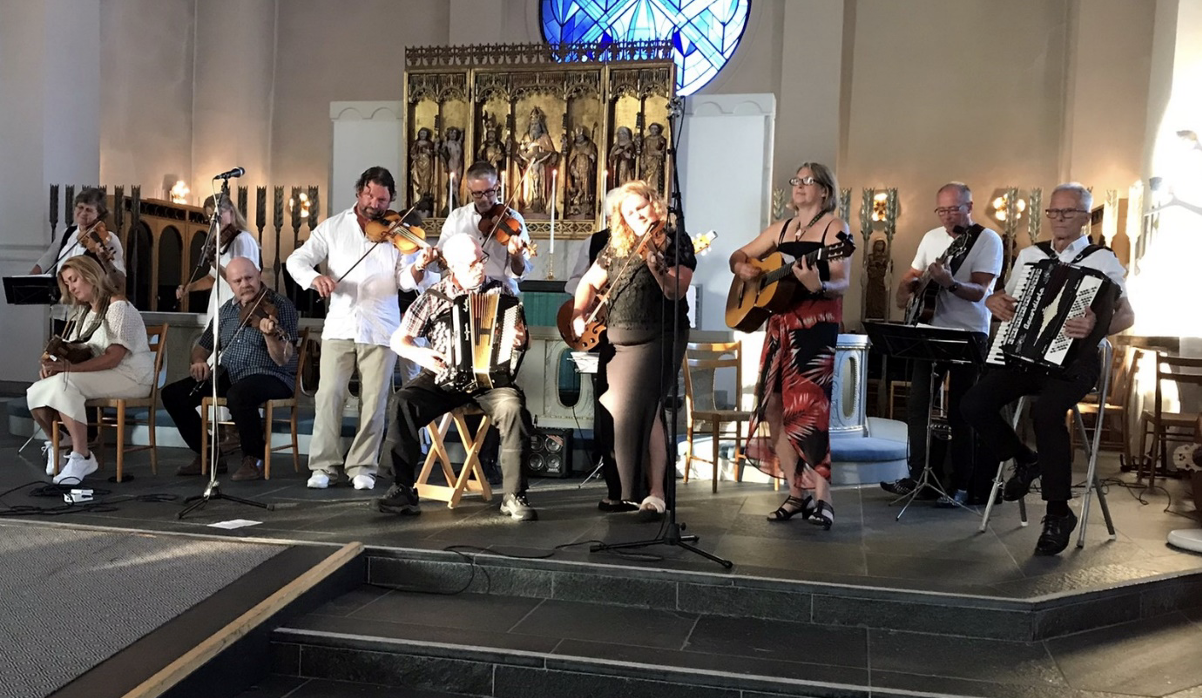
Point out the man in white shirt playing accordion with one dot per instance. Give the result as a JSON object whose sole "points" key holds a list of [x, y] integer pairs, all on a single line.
{"points": [[1068, 211], [448, 380]]}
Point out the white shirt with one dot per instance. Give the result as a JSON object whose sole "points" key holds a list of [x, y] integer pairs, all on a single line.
{"points": [[243, 245], [1101, 260], [985, 257], [465, 221], [363, 307], [53, 258]]}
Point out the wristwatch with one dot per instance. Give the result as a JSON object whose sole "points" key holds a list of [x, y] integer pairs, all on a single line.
{"points": [[954, 287], [822, 287]]}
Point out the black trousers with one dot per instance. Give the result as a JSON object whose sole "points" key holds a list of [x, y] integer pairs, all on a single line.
{"points": [[421, 401], [983, 409], [243, 398], [972, 464], [603, 428]]}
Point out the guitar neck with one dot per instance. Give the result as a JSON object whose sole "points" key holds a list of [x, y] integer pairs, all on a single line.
{"points": [[786, 269]]}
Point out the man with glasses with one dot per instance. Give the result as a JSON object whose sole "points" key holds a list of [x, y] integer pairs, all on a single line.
{"points": [[1068, 212], [963, 283], [423, 400], [507, 262]]}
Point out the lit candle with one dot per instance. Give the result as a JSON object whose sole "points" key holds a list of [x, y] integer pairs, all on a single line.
{"points": [[554, 179]]}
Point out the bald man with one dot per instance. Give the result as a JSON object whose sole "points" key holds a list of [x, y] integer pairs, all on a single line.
{"points": [[258, 363], [423, 400]]}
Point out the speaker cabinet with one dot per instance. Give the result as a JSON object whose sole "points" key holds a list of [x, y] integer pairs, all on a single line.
{"points": [[550, 452]]}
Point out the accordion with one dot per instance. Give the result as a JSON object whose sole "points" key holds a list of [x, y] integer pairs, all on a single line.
{"points": [[482, 351], [1050, 292]]}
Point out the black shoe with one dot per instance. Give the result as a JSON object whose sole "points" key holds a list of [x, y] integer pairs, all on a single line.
{"points": [[1057, 530], [900, 487], [1019, 483], [515, 505], [822, 515], [399, 500], [805, 507], [615, 507], [951, 502]]}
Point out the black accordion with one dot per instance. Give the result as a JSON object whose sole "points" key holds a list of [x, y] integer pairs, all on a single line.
{"points": [[1050, 292], [483, 351]]}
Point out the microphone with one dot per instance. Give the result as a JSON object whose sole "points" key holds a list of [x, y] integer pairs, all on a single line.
{"points": [[236, 172]]}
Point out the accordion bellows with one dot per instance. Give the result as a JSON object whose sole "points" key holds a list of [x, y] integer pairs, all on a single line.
{"points": [[483, 347]]}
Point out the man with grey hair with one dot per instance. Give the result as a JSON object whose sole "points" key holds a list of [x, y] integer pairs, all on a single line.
{"points": [[423, 400], [962, 282], [1068, 210]]}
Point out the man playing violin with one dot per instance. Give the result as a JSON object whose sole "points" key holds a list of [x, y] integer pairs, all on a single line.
{"points": [[506, 243], [361, 292], [90, 212], [257, 364]]}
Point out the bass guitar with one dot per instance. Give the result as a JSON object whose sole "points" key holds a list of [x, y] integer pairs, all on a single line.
{"points": [[921, 308], [749, 303]]}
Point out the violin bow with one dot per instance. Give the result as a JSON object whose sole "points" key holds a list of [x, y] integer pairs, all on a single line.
{"points": [[512, 197]]}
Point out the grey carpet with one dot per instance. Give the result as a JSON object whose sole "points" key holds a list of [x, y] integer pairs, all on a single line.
{"points": [[73, 598]]}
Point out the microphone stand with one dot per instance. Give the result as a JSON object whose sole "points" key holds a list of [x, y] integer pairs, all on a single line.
{"points": [[213, 490], [671, 532]]}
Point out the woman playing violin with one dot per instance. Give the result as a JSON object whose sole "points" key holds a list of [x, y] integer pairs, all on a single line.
{"points": [[500, 230], [644, 276], [234, 240], [89, 215], [122, 365]]}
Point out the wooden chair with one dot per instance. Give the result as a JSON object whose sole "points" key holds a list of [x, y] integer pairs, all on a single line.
{"points": [[1115, 423], [470, 478], [711, 357], [270, 418], [1157, 422], [156, 337]]}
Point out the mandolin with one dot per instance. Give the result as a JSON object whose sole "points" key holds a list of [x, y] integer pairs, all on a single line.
{"points": [[749, 303]]}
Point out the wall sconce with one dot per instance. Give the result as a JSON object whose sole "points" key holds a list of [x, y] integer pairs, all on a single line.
{"points": [[1001, 205], [179, 192], [304, 205], [880, 207]]}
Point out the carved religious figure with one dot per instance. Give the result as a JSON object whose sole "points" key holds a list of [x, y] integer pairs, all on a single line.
{"points": [[451, 154], [492, 151], [622, 157], [582, 174], [654, 151], [421, 166], [538, 155], [876, 296]]}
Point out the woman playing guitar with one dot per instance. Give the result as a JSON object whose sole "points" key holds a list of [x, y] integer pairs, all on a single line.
{"points": [[789, 428]]}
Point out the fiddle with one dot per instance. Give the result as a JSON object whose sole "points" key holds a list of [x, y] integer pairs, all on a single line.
{"points": [[95, 240], [393, 227], [499, 223], [225, 238], [261, 308]]}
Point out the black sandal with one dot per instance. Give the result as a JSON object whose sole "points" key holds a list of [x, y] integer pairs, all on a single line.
{"points": [[805, 507], [822, 515]]}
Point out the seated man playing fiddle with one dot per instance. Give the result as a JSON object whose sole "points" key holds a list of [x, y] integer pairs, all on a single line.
{"points": [[257, 329], [435, 391]]}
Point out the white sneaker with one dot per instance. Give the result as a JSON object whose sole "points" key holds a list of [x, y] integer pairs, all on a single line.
{"points": [[318, 480], [364, 482], [48, 451], [77, 468]]}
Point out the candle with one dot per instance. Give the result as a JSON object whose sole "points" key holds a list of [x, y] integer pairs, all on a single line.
{"points": [[451, 192], [502, 186], [554, 179], [604, 199]]}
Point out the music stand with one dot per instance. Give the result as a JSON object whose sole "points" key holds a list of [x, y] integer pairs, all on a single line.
{"points": [[937, 345], [32, 289]]}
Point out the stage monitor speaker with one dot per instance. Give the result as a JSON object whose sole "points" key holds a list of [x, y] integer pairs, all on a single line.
{"points": [[551, 452]]}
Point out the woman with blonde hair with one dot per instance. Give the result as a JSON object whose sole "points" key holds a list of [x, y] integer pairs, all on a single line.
{"points": [[645, 276], [122, 365], [234, 239], [790, 427]]}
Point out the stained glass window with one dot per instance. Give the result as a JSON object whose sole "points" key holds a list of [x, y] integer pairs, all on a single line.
{"points": [[704, 34]]}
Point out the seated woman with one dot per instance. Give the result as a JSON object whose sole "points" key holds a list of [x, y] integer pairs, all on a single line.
{"points": [[122, 365]]}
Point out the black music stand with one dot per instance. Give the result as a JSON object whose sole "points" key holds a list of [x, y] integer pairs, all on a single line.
{"points": [[33, 289], [937, 345]]}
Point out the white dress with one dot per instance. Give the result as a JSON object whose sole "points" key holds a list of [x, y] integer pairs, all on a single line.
{"points": [[132, 378]]}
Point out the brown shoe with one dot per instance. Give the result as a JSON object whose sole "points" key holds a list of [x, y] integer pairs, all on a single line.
{"points": [[193, 468], [251, 469], [230, 441]]}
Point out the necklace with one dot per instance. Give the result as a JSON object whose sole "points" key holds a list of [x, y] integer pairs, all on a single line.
{"points": [[801, 231]]}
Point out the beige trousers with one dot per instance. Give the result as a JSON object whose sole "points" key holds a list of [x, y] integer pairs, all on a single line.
{"points": [[339, 359]]}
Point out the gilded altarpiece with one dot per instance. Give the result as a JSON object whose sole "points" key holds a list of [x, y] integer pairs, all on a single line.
{"points": [[562, 124]]}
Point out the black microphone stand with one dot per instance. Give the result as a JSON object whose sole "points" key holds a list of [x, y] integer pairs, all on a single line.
{"points": [[671, 532], [213, 489]]}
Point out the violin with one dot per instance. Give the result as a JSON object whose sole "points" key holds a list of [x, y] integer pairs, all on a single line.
{"points": [[259, 309], [225, 238], [95, 240], [392, 227], [499, 223]]}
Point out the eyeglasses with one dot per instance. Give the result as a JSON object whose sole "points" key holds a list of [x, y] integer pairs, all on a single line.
{"points": [[799, 181], [1062, 213], [948, 210], [482, 194], [479, 262]]}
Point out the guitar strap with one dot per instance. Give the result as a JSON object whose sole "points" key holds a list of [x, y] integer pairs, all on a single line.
{"points": [[973, 233]]}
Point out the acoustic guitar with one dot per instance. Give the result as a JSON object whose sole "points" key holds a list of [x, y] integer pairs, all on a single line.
{"points": [[594, 324], [921, 308], [749, 303]]}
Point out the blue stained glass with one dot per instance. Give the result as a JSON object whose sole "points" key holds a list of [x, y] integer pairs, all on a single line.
{"points": [[704, 33]]}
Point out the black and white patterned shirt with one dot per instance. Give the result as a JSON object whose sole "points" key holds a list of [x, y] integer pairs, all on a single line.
{"points": [[244, 349]]}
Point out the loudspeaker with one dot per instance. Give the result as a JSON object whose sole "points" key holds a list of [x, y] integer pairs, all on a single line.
{"points": [[551, 452]]}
